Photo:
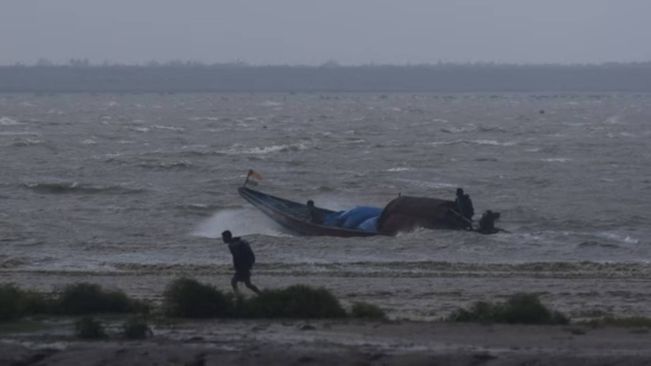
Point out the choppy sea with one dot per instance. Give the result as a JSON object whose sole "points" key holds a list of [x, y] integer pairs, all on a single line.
{"points": [[141, 186]]}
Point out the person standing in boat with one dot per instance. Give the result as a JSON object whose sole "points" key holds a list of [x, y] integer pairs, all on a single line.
{"points": [[464, 207], [243, 260]]}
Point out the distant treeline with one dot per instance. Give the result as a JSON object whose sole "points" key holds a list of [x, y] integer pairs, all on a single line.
{"points": [[330, 77]]}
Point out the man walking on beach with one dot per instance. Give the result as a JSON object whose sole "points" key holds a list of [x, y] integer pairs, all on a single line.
{"points": [[243, 259]]}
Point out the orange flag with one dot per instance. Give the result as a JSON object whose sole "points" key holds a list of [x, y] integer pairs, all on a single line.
{"points": [[254, 174]]}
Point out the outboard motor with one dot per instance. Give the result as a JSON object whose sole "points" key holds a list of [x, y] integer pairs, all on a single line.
{"points": [[487, 222]]}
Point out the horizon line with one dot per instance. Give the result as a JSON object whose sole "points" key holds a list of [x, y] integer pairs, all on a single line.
{"points": [[85, 62]]}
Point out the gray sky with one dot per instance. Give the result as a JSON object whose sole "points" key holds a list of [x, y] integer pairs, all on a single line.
{"points": [[315, 31]]}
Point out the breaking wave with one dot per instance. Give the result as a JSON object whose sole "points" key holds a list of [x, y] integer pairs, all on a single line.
{"points": [[26, 142], [398, 169], [556, 160], [170, 128], [237, 149], [474, 142], [165, 165], [205, 118], [239, 221], [78, 188], [6, 121]]}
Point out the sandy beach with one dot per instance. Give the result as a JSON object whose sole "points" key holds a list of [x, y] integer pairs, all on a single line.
{"points": [[218, 342]]}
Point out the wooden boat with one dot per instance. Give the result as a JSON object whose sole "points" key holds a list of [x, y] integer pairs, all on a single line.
{"points": [[295, 216], [404, 213]]}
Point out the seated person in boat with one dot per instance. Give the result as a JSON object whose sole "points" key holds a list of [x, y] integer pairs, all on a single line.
{"points": [[315, 215]]}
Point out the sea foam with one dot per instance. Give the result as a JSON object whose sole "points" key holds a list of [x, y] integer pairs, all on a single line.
{"points": [[242, 221], [6, 121]]}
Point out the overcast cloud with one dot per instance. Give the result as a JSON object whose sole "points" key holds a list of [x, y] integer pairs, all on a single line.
{"points": [[312, 32]]}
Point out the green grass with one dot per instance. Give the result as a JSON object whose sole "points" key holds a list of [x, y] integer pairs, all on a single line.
{"points": [[89, 328], [87, 298], [182, 298], [136, 328], [518, 309], [187, 298], [296, 301], [22, 326], [367, 311], [16, 303]]}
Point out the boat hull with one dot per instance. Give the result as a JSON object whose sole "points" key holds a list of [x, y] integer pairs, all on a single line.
{"points": [[294, 216]]}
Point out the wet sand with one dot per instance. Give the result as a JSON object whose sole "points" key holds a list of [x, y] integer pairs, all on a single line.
{"points": [[216, 342]]}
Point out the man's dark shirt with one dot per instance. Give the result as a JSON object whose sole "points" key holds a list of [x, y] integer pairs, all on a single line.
{"points": [[469, 210], [243, 257]]}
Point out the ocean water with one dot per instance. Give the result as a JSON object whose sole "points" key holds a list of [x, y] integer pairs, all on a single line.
{"points": [[140, 187]]}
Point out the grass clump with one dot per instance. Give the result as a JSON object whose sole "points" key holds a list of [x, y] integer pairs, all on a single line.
{"points": [[10, 302], [518, 309], [89, 328], [298, 301], [187, 298], [136, 328], [16, 303], [367, 311], [87, 298]]}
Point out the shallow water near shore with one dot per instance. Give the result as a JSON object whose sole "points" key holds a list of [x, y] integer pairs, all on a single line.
{"points": [[133, 190]]}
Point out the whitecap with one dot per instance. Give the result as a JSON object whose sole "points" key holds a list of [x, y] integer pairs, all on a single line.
{"points": [[171, 128], [477, 142], [19, 133], [493, 142], [237, 149], [27, 142], [454, 130], [6, 121], [427, 184], [452, 142], [206, 118], [89, 142], [270, 103], [556, 160], [620, 237], [398, 169], [141, 129]]}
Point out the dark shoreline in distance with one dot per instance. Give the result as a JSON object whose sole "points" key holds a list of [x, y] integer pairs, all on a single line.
{"points": [[192, 77]]}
